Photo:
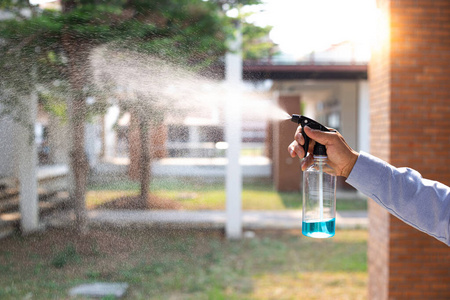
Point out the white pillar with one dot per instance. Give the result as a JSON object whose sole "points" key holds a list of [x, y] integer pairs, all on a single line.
{"points": [[111, 116], [233, 180], [348, 98], [27, 168], [363, 116], [194, 141]]}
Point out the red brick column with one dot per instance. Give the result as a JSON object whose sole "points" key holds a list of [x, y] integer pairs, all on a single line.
{"points": [[410, 118], [286, 170]]}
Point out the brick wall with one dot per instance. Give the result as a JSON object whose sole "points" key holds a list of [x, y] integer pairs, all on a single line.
{"points": [[378, 252], [379, 84], [410, 119]]}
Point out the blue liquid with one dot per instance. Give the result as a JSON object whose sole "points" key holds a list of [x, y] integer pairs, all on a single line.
{"points": [[319, 229]]}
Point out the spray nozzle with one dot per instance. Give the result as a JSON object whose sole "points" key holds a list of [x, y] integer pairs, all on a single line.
{"points": [[319, 149]]}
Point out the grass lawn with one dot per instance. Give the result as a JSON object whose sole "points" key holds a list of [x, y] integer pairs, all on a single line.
{"points": [[181, 264], [199, 195]]}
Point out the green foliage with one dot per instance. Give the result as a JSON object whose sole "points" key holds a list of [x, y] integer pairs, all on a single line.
{"points": [[67, 255], [53, 105], [10, 4], [190, 264], [256, 42], [190, 32], [195, 194]]}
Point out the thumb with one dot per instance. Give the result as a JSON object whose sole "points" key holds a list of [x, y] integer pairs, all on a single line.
{"points": [[322, 137]]}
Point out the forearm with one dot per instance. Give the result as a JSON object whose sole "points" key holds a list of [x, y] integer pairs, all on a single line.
{"points": [[422, 203]]}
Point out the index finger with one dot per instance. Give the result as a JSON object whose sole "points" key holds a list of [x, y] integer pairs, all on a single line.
{"points": [[298, 136]]}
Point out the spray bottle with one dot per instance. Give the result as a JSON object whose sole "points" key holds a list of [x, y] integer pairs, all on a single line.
{"points": [[319, 187]]}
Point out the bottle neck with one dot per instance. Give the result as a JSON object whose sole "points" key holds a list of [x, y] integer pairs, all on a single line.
{"points": [[320, 158]]}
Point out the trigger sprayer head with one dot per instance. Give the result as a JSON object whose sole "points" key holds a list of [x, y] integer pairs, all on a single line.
{"points": [[295, 119], [319, 149]]}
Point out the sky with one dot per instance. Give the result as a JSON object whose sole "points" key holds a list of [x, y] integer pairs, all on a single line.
{"points": [[302, 26]]}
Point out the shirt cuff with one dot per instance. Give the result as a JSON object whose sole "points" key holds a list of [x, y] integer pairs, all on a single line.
{"points": [[367, 174]]}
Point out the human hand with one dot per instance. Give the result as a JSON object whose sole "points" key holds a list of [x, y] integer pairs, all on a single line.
{"points": [[341, 157]]}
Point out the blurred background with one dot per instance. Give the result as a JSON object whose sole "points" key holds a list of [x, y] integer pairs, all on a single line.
{"points": [[163, 125]]}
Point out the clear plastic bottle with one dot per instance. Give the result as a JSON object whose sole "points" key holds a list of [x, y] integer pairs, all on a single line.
{"points": [[319, 199]]}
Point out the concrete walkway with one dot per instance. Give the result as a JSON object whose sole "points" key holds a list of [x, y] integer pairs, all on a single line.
{"points": [[288, 219]]}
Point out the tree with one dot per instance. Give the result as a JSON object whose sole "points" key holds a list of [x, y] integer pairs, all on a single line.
{"points": [[256, 42], [58, 43]]}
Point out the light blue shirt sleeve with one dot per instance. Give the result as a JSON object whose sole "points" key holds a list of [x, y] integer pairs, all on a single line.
{"points": [[421, 203]]}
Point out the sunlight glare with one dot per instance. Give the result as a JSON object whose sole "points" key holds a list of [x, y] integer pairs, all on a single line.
{"points": [[303, 26]]}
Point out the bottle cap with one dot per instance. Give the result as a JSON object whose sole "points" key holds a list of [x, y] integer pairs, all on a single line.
{"points": [[320, 149]]}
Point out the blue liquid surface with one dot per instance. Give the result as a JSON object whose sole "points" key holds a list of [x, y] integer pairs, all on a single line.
{"points": [[319, 229]]}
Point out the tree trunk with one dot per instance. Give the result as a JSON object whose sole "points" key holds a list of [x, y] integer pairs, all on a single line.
{"points": [[80, 164], [77, 54], [145, 160], [68, 5]]}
